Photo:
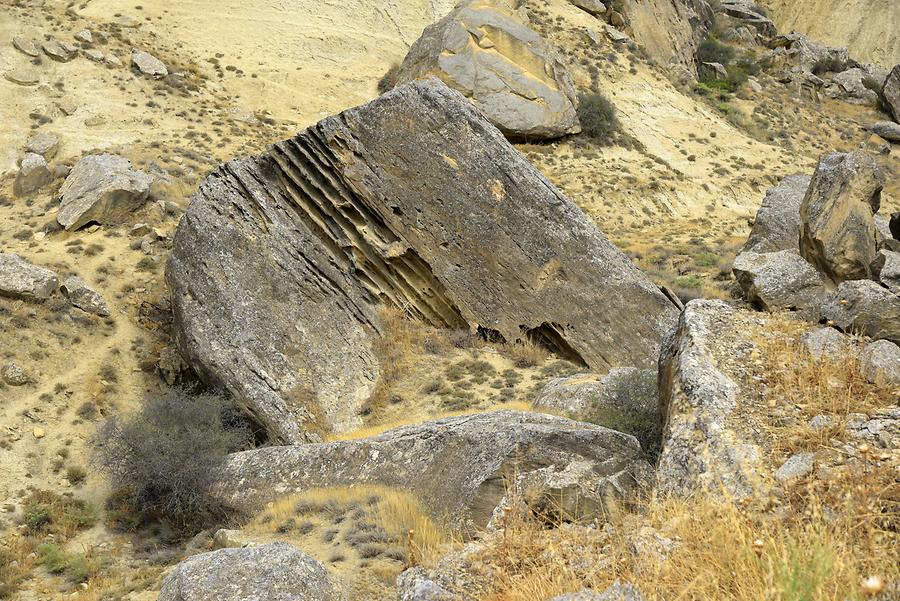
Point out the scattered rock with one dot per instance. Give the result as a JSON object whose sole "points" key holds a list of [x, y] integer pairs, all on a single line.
{"points": [[837, 229], [886, 269], [595, 7], [623, 389], [488, 52], [849, 87], [148, 64], [777, 223], [20, 279], [14, 375], [112, 61], [85, 36], [59, 51], [826, 343], [880, 363], [82, 296], [864, 307], [779, 280], [617, 36], [22, 77], [821, 422], [748, 13], [795, 467], [459, 464], [101, 188], [34, 174], [882, 430], [810, 55], [94, 55], [891, 92], [26, 46], [270, 572], [413, 585], [391, 239], [888, 130], [714, 71], [44, 144], [38, 432], [616, 592]]}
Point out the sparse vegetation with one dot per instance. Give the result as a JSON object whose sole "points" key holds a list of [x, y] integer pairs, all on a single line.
{"points": [[597, 115], [163, 457]]}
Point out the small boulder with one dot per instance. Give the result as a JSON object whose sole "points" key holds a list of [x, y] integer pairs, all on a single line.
{"points": [[44, 144], [616, 592], [20, 279], [101, 188], [229, 539], [276, 572], [595, 7], [888, 130], [849, 86], [147, 64], [26, 46], [488, 52], [891, 92], [886, 269], [14, 375], [85, 36], [59, 51], [713, 71], [826, 343], [864, 307], [777, 223], [795, 467], [837, 228], [880, 363], [34, 174], [779, 280], [84, 297]]}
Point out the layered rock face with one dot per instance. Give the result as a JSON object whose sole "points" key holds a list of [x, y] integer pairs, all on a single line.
{"points": [[837, 230], [777, 223], [486, 50], [670, 31], [414, 200], [461, 465]]}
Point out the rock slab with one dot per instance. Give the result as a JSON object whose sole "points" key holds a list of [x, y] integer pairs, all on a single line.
{"points": [[101, 188], [416, 201], [21, 279], [777, 223]]}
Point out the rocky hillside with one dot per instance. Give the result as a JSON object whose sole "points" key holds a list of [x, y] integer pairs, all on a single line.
{"points": [[869, 28]]}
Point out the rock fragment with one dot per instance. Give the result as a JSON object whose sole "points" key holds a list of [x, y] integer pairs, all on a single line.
{"points": [[888, 130], [83, 296], [34, 174], [616, 592], [795, 467], [85, 36], [891, 92], [886, 269], [624, 390], [21, 279], [777, 223], [59, 51], [779, 280], [13, 374], [44, 144], [148, 64], [863, 307], [26, 46], [101, 188], [827, 343], [880, 363]]}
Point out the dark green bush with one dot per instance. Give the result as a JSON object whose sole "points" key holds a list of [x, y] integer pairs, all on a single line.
{"points": [[597, 116], [714, 51], [162, 459], [633, 410]]}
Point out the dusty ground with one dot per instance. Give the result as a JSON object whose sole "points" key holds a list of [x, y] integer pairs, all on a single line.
{"points": [[677, 193]]}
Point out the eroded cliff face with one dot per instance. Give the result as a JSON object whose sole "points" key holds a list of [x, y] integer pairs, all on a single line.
{"points": [[869, 28], [670, 30], [415, 201]]}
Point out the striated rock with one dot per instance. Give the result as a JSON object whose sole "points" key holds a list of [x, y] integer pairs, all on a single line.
{"points": [[702, 448], [101, 188], [891, 92], [486, 50], [459, 464], [281, 262], [84, 297], [888, 130], [147, 64], [33, 175], [44, 144], [880, 363], [274, 572], [865, 308], [670, 31], [616, 592], [886, 269], [20, 279], [837, 229], [779, 280], [777, 223], [59, 51], [622, 390]]}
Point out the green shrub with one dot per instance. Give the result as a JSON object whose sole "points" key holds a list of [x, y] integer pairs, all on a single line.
{"points": [[597, 116], [46, 512], [162, 459], [712, 50], [634, 410], [75, 566]]}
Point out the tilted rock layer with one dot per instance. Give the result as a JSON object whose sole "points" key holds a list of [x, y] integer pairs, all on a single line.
{"points": [[414, 200]]}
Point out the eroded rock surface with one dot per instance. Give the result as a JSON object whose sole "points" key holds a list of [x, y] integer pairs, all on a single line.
{"points": [[779, 280], [275, 572], [863, 307], [461, 465], [21, 279], [486, 50], [101, 188], [777, 223], [414, 200]]}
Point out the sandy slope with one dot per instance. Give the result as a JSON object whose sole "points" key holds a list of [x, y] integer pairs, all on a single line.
{"points": [[869, 28]]}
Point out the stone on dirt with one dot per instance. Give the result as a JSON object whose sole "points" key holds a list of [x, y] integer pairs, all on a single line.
{"points": [[147, 64], [83, 296], [101, 188], [21, 279], [34, 174], [779, 280]]}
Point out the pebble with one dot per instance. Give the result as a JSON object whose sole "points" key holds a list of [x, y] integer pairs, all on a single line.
{"points": [[39, 432]]}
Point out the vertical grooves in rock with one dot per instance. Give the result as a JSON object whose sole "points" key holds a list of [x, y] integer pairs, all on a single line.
{"points": [[357, 238]]}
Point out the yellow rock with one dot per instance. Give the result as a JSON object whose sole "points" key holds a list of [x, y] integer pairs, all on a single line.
{"points": [[39, 432]]}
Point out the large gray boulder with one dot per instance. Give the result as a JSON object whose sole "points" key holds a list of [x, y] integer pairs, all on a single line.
{"points": [[414, 200], [21, 279], [779, 280], [101, 188], [837, 227], [863, 307], [849, 86], [777, 223], [274, 572], [810, 56], [458, 466], [486, 50], [891, 92], [703, 446], [749, 13]]}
